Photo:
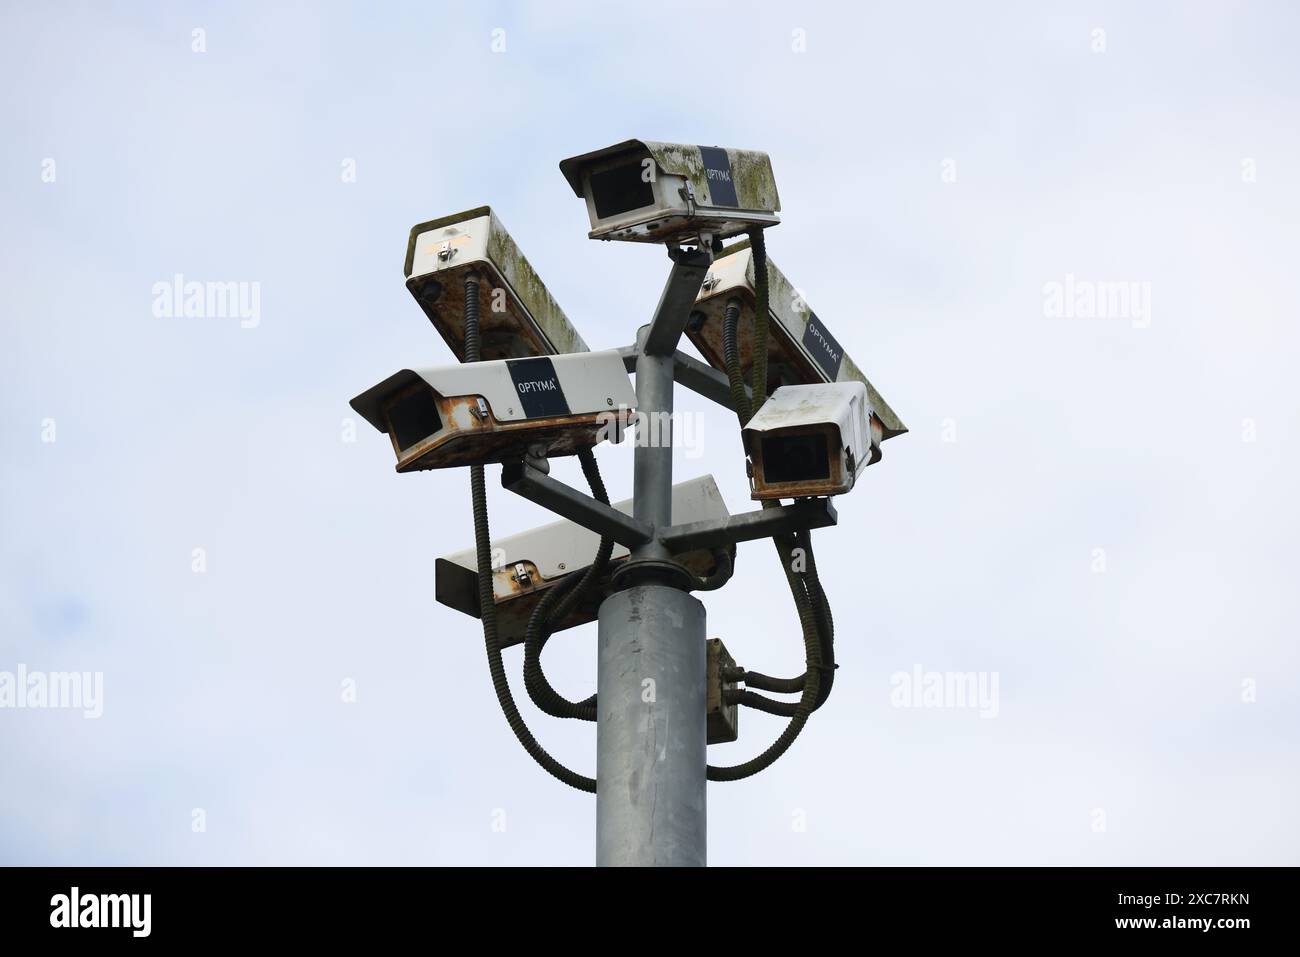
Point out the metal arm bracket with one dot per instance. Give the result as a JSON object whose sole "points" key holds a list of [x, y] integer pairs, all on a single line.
{"points": [[689, 270], [535, 485], [763, 523], [700, 377]]}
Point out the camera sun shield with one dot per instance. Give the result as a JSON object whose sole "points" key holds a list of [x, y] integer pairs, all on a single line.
{"points": [[811, 440], [652, 192], [500, 411]]}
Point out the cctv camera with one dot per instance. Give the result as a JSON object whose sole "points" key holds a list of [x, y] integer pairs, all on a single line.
{"points": [[811, 440], [801, 349], [517, 316], [648, 192], [535, 561], [500, 411]]}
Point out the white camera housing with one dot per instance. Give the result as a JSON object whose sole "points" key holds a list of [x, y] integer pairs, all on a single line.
{"points": [[500, 411], [801, 350], [517, 315], [527, 565], [811, 440], [651, 192]]}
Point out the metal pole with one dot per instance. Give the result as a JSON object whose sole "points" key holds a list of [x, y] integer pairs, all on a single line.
{"points": [[650, 734], [652, 465], [651, 758]]}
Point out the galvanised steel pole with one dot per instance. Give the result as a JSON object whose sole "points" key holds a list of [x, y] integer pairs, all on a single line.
{"points": [[651, 747], [650, 735]]}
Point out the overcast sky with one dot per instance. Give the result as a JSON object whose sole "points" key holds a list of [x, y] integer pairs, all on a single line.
{"points": [[1099, 510]]}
